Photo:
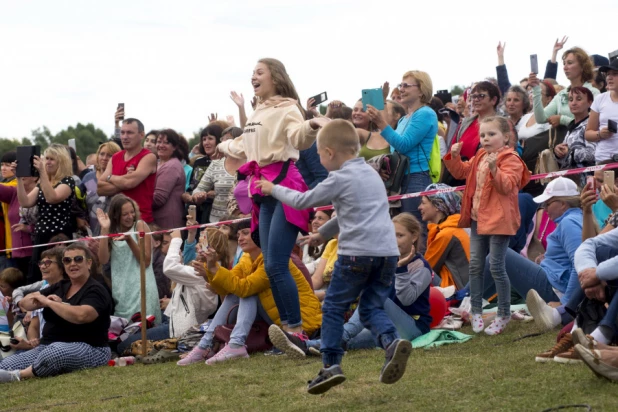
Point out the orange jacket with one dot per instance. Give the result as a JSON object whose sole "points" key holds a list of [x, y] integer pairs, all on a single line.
{"points": [[498, 213], [448, 251]]}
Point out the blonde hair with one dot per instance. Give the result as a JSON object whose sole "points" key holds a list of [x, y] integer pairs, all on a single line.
{"points": [[219, 242], [339, 135], [571, 201], [504, 125], [111, 147], [411, 223], [59, 153], [425, 85]]}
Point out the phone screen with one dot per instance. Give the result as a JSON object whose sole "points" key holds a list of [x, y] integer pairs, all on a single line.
{"points": [[612, 126], [373, 97], [534, 63], [121, 106], [319, 99]]}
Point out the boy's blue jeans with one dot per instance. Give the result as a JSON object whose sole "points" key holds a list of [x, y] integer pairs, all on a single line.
{"points": [[371, 278]]}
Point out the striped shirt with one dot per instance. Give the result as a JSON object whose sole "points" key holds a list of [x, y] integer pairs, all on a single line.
{"points": [[218, 179]]}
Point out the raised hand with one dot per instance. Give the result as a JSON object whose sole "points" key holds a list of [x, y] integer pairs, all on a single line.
{"points": [[533, 80], [500, 51], [404, 261], [254, 102], [386, 88], [212, 117], [238, 99], [103, 219], [560, 44]]}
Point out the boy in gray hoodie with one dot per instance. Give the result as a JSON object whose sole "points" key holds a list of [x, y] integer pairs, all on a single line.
{"points": [[367, 255]]}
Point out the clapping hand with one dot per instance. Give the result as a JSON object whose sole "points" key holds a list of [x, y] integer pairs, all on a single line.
{"points": [[238, 99], [103, 219], [404, 261], [492, 158], [456, 149]]}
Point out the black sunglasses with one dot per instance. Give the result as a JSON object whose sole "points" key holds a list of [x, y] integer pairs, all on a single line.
{"points": [[67, 260]]}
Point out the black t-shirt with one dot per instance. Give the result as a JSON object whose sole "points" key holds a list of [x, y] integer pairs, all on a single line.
{"points": [[58, 329]]}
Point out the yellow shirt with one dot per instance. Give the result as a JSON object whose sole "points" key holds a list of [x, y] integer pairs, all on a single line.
{"points": [[330, 254]]}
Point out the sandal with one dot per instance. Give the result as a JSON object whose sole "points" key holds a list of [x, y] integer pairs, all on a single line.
{"points": [[160, 357]]}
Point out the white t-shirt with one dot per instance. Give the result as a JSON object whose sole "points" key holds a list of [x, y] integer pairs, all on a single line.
{"points": [[524, 132], [607, 109]]}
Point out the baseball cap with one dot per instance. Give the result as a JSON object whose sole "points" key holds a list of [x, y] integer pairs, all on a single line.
{"points": [[612, 66], [598, 60], [557, 188]]}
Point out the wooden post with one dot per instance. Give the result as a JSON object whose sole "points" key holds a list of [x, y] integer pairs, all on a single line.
{"points": [[142, 281]]}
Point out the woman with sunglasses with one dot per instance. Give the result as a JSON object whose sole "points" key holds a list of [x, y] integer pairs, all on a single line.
{"points": [[414, 135], [76, 312]]}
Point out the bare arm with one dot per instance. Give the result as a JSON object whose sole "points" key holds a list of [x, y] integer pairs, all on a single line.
{"points": [[75, 314], [104, 188], [53, 195], [146, 167], [26, 199]]}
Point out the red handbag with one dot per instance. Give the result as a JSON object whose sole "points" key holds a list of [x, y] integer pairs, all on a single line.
{"points": [[257, 340]]}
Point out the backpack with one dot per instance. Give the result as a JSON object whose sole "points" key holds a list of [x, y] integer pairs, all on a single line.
{"points": [[396, 166], [435, 161]]}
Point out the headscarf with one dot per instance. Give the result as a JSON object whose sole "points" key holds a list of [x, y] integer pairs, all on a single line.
{"points": [[448, 203]]}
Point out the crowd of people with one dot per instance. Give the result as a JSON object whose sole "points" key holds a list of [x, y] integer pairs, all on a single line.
{"points": [[358, 275]]}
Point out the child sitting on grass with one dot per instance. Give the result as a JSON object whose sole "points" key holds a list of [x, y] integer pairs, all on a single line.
{"points": [[364, 267]]}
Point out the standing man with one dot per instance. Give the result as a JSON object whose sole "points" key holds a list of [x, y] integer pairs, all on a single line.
{"points": [[132, 171]]}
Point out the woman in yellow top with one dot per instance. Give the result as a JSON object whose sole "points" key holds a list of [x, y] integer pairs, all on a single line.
{"points": [[324, 272], [248, 279]]}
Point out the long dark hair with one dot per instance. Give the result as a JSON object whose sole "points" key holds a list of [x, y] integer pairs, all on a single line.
{"points": [[115, 213]]}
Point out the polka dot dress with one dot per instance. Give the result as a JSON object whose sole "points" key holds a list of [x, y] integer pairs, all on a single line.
{"points": [[55, 218]]}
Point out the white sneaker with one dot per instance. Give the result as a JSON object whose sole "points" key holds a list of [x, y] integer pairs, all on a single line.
{"points": [[542, 313]]}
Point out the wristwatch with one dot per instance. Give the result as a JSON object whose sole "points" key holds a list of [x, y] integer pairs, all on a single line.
{"points": [[108, 178]]}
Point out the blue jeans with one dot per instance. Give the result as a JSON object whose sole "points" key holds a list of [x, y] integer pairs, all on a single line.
{"points": [[369, 277], [277, 239], [523, 275], [357, 337], [245, 316], [496, 246], [416, 182]]}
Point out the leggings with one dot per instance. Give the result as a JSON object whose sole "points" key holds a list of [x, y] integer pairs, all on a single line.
{"points": [[57, 358]]}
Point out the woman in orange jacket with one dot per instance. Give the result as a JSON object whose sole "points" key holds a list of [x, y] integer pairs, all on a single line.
{"points": [[448, 245], [490, 208]]}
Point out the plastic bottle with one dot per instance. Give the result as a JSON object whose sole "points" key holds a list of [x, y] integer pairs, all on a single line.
{"points": [[124, 361]]}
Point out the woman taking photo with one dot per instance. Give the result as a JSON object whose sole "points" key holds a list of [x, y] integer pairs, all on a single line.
{"points": [[271, 142], [88, 186], [604, 109], [414, 135], [372, 143], [167, 206], [76, 312], [579, 70], [123, 252], [53, 196]]}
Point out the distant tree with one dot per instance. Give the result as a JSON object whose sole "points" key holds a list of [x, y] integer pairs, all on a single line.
{"points": [[42, 137], [457, 90], [87, 138], [6, 145]]}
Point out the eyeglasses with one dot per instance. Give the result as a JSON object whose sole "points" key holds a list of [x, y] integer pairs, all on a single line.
{"points": [[549, 202], [479, 96], [78, 259], [406, 85], [45, 263]]}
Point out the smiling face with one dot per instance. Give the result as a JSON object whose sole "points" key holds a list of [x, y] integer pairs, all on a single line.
{"points": [[360, 118], [79, 264], [405, 239], [262, 82], [209, 143], [482, 103], [165, 150], [572, 69], [51, 165], [514, 105], [410, 91], [319, 220], [429, 213], [150, 143], [492, 139], [127, 216], [51, 270]]}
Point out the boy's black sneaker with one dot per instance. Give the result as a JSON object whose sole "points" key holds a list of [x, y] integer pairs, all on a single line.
{"points": [[326, 379], [292, 344], [397, 355]]}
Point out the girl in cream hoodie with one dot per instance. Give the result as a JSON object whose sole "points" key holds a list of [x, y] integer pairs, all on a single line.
{"points": [[271, 142]]}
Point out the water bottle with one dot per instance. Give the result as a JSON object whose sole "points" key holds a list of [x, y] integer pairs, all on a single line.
{"points": [[124, 361]]}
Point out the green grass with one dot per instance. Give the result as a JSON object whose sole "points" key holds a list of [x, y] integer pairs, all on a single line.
{"points": [[486, 373]]}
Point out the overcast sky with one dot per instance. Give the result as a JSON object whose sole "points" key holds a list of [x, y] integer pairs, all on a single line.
{"points": [[172, 63]]}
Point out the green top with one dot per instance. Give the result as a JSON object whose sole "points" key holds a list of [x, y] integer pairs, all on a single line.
{"points": [[558, 106], [368, 153]]}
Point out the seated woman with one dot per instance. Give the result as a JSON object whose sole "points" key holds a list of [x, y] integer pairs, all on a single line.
{"points": [[408, 304], [123, 254], [192, 302], [324, 271], [554, 278], [53, 272], [247, 285], [311, 255], [76, 314], [448, 245]]}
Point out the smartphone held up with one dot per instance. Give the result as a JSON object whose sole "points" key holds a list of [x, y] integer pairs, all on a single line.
{"points": [[25, 161]]}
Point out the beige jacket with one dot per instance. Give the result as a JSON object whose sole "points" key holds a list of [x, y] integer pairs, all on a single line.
{"points": [[276, 132]]}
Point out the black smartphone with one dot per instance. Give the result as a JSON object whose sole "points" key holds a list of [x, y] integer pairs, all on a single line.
{"points": [[14, 341], [534, 64], [612, 126], [319, 99], [121, 106], [25, 156], [444, 96]]}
